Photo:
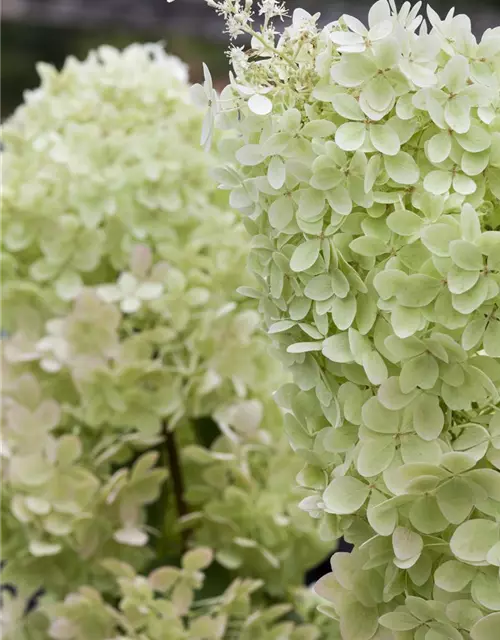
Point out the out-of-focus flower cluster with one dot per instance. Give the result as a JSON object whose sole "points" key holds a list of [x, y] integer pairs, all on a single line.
{"points": [[162, 606], [167, 604], [121, 262], [247, 502], [368, 170], [85, 179]]}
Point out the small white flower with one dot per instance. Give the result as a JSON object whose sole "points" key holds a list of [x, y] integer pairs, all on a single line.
{"points": [[359, 38], [205, 96], [302, 22], [53, 348], [20, 348], [454, 31], [419, 58], [239, 60], [131, 536], [130, 292], [272, 8], [258, 102]]}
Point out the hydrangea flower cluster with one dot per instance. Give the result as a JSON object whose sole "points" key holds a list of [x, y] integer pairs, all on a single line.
{"points": [[244, 486], [135, 375], [367, 168], [161, 606], [164, 605]]}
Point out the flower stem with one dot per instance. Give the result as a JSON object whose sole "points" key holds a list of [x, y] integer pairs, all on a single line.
{"points": [[176, 476], [267, 46]]}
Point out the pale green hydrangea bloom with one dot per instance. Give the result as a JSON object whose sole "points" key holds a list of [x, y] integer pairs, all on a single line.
{"points": [[248, 505], [368, 171], [16, 623], [161, 606], [121, 263]]}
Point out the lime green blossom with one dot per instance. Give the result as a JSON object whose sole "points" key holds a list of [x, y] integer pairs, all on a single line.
{"points": [[85, 179], [133, 288], [126, 334], [245, 500], [18, 624], [367, 172], [161, 606]]}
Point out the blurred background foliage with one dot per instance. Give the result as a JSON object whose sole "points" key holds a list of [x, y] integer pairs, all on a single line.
{"points": [[24, 44], [50, 30]]}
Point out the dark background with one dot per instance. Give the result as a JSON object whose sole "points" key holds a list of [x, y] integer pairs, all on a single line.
{"points": [[50, 30]]}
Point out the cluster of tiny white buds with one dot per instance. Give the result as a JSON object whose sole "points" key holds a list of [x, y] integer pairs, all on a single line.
{"points": [[272, 9], [238, 58], [237, 16]]}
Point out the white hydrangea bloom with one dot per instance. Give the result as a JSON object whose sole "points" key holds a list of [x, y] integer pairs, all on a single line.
{"points": [[371, 188]]}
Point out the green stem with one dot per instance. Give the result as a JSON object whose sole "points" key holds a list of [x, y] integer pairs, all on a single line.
{"points": [[267, 46], [172, 455]]}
